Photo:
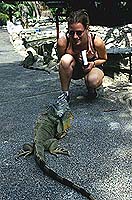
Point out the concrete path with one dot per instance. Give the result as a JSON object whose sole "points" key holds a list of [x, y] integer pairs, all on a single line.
{"points": [[99, 141]]}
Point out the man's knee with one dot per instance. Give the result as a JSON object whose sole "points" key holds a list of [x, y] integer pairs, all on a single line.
{"points": [[66, 60], [94, 80]]}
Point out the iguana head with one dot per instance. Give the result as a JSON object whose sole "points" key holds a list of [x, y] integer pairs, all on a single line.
{"points": [[63, 113]]}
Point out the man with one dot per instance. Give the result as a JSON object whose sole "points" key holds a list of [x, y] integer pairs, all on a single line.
{"points": [[70, 47]]}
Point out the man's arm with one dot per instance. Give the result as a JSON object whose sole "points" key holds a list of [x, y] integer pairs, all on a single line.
{"points": [[61, 46], [101, 50]]}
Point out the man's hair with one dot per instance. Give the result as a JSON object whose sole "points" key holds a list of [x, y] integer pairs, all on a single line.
{"points": [[79, 16]]}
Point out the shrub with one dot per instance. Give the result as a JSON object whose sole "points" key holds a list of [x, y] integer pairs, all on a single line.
{"points": [[3, 19]]}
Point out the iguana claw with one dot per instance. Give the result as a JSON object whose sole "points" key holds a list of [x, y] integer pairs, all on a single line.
{"points": [[60, 150], [24, 153]]}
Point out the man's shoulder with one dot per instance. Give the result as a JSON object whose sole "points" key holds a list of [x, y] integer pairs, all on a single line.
{"points": [[98, 41], [62, 41]]}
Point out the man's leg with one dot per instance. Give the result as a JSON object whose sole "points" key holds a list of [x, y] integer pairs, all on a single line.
{"points": [[66, 65], [93, 80]]}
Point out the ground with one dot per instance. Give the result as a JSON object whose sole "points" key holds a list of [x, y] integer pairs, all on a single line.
{"points": [[99, 139]]}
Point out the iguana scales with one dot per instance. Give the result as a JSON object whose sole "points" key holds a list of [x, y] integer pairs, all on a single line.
{"points": [[50, 127]]}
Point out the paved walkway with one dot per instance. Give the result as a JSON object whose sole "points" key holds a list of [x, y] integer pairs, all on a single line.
{"points": [[99, 141]]}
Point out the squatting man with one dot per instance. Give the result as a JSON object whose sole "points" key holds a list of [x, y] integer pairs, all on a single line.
{"points": [[77, 47]]}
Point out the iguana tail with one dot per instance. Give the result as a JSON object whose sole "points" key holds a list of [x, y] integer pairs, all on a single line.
{"points": [[51, 173]]}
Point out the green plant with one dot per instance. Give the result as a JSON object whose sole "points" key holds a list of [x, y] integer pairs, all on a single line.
{"points": [[3, 18]]}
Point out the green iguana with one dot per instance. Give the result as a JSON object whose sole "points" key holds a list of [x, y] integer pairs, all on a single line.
{"points": [[50, 127]]}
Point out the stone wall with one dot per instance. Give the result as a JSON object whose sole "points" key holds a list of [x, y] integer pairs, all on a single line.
{"points": [[41, 40]]}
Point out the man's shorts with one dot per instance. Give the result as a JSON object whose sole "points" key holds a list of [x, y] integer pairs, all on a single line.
{"points": [[78, 72]]}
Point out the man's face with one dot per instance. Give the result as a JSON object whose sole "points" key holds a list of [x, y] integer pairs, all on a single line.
{"points": [[77, 33]]}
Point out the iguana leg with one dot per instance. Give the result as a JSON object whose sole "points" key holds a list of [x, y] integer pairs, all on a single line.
{"points": [[54, 149], [63, 134], [60, 150], [26, 151]]}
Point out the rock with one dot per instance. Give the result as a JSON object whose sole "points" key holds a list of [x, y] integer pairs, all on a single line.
{"points": [[29, 60], [32, 50]]}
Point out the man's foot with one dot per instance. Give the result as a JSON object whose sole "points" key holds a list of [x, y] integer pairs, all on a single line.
{"points": [[92, 93], [67, 98], [64, 96]]}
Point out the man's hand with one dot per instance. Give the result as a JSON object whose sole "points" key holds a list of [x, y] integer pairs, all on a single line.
{"points": [[88, 67]]}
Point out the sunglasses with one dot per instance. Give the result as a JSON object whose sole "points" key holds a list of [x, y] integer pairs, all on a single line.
{"points": [[78, 33]]}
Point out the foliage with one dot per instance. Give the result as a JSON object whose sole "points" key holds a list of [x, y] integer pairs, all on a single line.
{"points": [[101, 12], [53, 11], [3, 18], [4, 7], [16, 9]]}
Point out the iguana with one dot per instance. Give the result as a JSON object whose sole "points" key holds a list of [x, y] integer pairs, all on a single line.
{"points": [[50, 127]]}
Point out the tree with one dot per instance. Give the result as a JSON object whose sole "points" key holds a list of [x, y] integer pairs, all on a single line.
{"points": [[19, 9], [7, 9]]}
